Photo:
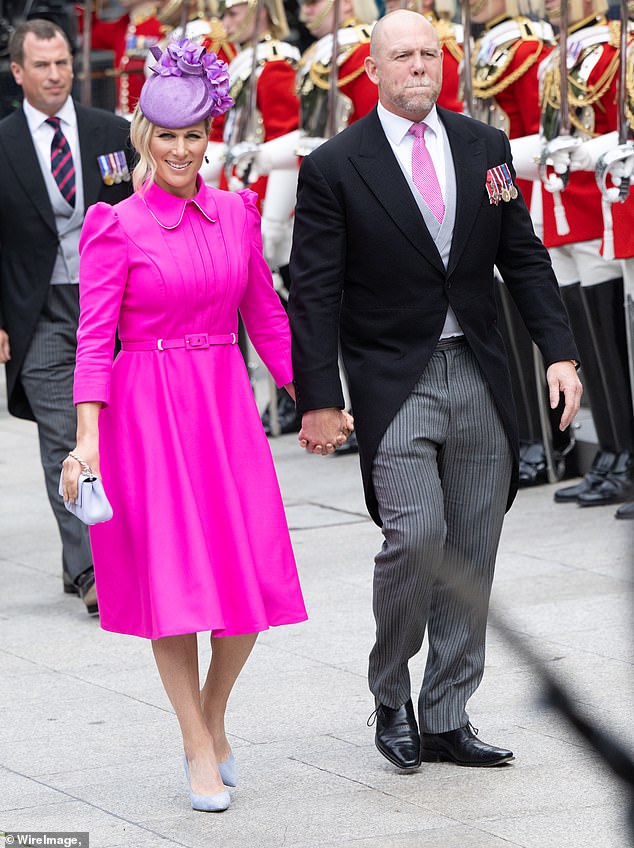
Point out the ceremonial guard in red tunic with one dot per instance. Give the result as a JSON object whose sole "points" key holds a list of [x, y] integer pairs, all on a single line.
{"points": [[505, 65], [592, 285], [262, 84], [129, 37], [611, 158], [506, 58], [320, 115]]}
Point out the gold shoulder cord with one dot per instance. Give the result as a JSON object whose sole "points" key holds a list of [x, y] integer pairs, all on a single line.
{"points": [[629, 88], [580, 93], [447, 38], [273, 54], [219, 39], [489, 88], [320, 74]]}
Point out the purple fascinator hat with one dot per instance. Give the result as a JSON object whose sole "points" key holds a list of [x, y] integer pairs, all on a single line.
{"points": [[188, 85]]}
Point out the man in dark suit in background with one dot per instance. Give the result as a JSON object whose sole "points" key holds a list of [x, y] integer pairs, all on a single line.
{"points": [[57, 158], [398, 227]]}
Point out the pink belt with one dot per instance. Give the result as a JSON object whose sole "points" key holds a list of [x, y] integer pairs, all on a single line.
{"points": [[193, 341]]}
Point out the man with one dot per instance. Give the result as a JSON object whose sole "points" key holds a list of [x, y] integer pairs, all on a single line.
{"points": [[407, 283], [274, 107], [58, 159], [356, 96], [129, 37], [451, 37], [506, 94], [592, 285]]}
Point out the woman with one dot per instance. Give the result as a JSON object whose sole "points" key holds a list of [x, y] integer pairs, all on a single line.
{"points": [[199, 539]]}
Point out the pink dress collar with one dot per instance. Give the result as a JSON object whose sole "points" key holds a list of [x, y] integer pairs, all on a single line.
{"points": [[168, 210]]}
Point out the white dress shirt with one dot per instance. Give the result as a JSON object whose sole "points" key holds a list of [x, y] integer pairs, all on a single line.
{"points": [[397, 131], [42, 133]]}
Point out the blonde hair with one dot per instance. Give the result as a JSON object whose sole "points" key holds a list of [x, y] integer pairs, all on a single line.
{"points": [[141, 131]]}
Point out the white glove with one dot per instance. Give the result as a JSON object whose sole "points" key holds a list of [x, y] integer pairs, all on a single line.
{"points": [[259, 160], [585, 158], [277, 223], [309, 143], [210, 171], [241, 158], [276, 241], [279, 153], [622, 170]]}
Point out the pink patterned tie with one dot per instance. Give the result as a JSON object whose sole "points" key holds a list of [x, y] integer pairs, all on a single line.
{"points": [[424, 173]]}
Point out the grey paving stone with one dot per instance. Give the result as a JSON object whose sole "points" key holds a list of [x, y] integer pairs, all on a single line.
{"points": [[88, 740], [580, 826]]}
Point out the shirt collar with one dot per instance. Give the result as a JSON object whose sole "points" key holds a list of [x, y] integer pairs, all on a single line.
{"points": [[396, 128], [36, 119], [168, 210]]}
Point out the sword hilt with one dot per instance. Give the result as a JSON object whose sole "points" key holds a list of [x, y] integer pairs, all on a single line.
{"points": [[615, 167], [551, 157]]}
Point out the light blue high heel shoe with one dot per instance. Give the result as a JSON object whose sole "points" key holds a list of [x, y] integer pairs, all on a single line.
{"points": [[227, 770], [216, 803]]}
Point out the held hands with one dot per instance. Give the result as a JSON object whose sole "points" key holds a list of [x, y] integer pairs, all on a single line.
{"points": [[5, 348], [324, 430], [562, 379]]}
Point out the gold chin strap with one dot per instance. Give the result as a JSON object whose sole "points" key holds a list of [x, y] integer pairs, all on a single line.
{"points": [[240, 36], [478, 7], [318, 21]]}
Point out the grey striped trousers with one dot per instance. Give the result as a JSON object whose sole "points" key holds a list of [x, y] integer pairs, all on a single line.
{"points": [[47, 378], [441, 475]]}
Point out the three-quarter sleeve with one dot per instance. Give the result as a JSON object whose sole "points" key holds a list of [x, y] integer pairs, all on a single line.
{"points": [[264, 317], [103, 273]]}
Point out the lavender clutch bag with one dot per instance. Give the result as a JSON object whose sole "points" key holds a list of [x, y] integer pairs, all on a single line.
{"points": [[92, 505]]}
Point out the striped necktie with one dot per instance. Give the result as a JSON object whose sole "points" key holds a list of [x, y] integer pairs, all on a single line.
{"points": [[62, 166], [424, 173]]}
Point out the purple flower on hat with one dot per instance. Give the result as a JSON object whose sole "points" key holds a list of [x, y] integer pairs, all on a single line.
{"points": [[186, 59]]}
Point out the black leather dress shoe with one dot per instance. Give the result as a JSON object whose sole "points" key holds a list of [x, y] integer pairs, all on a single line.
{"points": [[618, 485], [532, 467], [69, 586], [461, 746], [625, 512], [85, 585], [397, 735], [601, 465]]}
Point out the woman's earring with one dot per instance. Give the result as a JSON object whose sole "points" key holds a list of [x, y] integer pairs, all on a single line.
{"points": [[207, 159]]}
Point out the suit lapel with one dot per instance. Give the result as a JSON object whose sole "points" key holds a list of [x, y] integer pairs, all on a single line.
{"points": [[377, 166], [470, 164], [92, 144], [21, 156]]}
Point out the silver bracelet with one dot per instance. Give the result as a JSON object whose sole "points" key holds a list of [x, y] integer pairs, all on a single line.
{"points": [[84, 465]]}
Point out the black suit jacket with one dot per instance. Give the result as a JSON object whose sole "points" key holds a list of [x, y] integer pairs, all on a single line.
{"points": [[364, 263], [28, 238]]}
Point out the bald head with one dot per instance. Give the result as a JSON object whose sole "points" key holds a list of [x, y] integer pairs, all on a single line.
{"points": [[397, 24], [405, 62]]}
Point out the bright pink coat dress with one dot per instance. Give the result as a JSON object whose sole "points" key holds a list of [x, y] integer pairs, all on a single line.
{"points": [[199, 539]]}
